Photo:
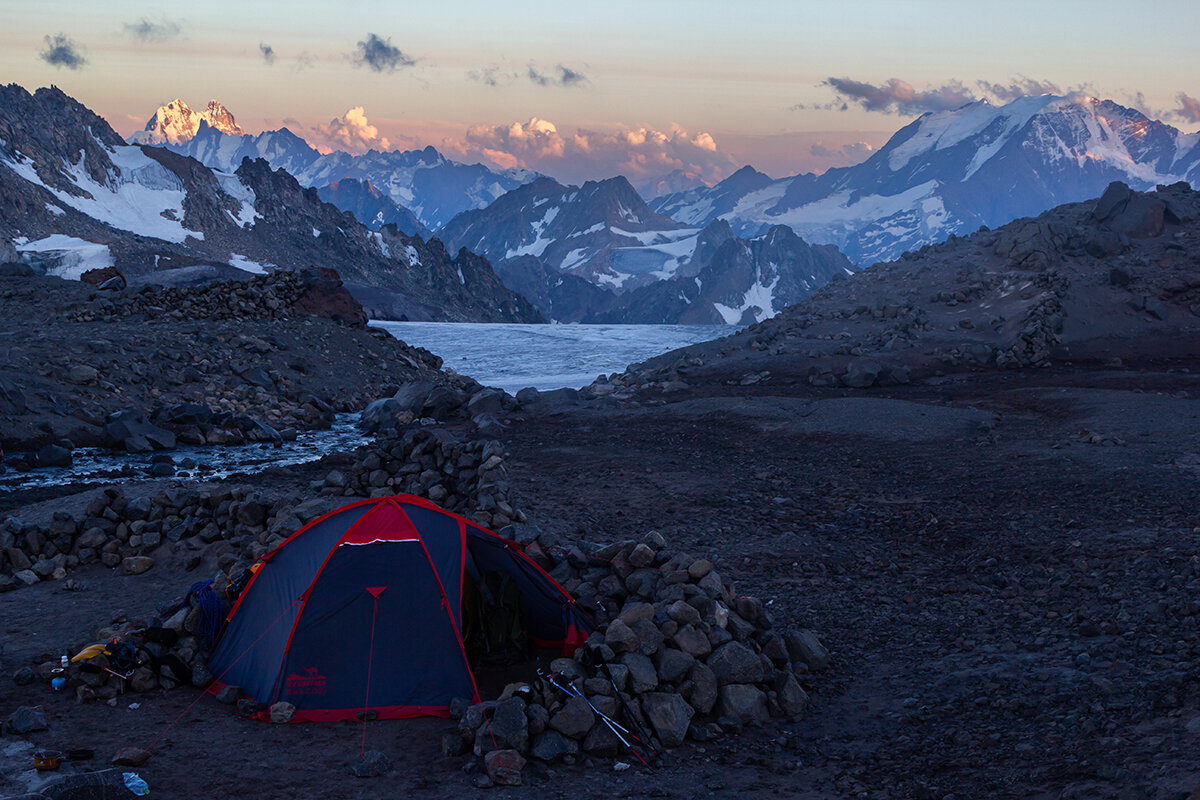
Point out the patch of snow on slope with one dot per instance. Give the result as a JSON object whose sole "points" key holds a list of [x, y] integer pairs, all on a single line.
{"points": [[599, 226], [232, 185], [244, 263], [134, 201], [73, 256], [55, 210], [414, 259], [539, 244], [757, 295], [573, 259]]}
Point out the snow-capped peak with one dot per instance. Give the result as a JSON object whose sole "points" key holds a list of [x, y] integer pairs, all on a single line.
{"points": [[177, 123]]}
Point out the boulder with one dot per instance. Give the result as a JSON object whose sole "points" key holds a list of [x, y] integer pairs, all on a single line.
{"points": [[574, 719], [52, 455], [136, 565], [692, 641], [129, 429], [804, 647], [442, 402], [131, 757], [642, 675], [26, 719], [735, 663], [701, 689], [670, 715], [325, 296], [744, 702], [508, 727], [504, 767], [551, 746]]}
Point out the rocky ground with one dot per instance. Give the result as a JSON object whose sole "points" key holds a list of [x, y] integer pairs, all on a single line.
{"points": [[277, 351], [1004, 570]]}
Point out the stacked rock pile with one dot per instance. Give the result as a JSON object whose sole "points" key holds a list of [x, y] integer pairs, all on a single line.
{"points": [[690, 659], [277, 295], [464, 476]]}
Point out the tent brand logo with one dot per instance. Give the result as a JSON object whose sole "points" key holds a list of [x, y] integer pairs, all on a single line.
{"points": [[311, 682]]}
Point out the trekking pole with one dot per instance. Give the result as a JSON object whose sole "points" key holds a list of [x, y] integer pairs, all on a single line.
{"points": [[645, 739], [618, 730]]}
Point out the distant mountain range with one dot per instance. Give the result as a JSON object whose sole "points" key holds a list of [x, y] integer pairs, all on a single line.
{"points": [[951, 172], [74, 196], [424, 182], [597, 253]]}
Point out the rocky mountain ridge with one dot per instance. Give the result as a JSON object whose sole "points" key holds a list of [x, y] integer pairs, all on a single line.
{"points": [[75, 197]]}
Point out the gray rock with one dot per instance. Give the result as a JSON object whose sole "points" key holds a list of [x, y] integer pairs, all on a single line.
{"points": [[650, 638], [673, 665], [574, 719], [53, 455], [743, 702], [603, 743], [861, 374], [642, 675], [702, 692], [504, 767], [792, 697], [683, 612], [804, 647], [551, 746], [486, 401], [136, 565], [692, 641], [25, 676], [670, 716], [620, 637], [26, 719], [735, 663], [509, 725]]}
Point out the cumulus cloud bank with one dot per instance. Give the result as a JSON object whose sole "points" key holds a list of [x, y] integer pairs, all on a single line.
{"points": [[146, 31], [638, 153], [351, 132], [60, 51], [381, 55]]}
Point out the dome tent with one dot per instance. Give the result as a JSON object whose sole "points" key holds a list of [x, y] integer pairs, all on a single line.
{"points": [[361, 609]]}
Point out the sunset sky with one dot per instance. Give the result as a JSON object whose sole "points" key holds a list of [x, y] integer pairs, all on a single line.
{"points": [[588, 90]]}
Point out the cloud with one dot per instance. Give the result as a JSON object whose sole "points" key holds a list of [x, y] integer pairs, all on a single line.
{"points": [[641, 154], [560, 76], [304, 61], [1020, 87], [1189, 108], [146, 31], [62, 52], [268, 52], [492, 76], [841, 155], [899, 97], [351, 132], [380, 55]]}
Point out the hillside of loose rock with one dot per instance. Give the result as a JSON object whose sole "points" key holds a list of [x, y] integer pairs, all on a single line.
{"points": [[1117, 278]]}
